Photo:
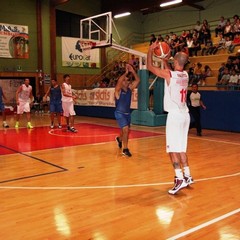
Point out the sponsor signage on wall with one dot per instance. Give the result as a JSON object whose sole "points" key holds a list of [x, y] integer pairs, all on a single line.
{"points": [[74, 56], [101, 97], [14, 41]]}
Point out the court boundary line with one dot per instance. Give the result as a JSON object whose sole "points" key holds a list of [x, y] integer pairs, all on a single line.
{"points": [[35, 158], [61, 169], [206, 224], [114, 186]]}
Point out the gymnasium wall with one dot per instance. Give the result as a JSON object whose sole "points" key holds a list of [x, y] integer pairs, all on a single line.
{"points": [[222, 113]]}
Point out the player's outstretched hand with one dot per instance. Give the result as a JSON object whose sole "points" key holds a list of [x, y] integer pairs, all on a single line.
{"points": [[129, 68]]}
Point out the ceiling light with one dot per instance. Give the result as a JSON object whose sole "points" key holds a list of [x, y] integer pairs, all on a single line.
{"points": [[122, 15], [170, 3]]}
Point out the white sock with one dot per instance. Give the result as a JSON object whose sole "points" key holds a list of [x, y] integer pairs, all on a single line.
{"points": [[179, 173], [186, 171]]}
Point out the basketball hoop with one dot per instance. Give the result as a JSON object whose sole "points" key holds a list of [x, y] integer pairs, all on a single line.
{"points": [[86, 46]]}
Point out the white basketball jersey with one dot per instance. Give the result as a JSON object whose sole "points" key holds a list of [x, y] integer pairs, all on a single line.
{"points": [[24, 95], [176, 92], [67, 90]]}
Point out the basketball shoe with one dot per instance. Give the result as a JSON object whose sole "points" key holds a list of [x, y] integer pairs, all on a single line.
{"points": [[118, 142], [5, 125], [178, 185], [29, 125], [189, 180], [72, 129], [126, 152]]}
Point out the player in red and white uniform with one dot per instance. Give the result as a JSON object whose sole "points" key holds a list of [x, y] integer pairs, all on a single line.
{"points": [[178, 119]]}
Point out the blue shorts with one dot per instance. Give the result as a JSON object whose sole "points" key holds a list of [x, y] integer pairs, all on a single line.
{"points": [[2, 107], [123, 119], [56, 107]]}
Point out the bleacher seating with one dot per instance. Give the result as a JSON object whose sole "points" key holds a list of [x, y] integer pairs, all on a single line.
{"points": [[214, 61]]}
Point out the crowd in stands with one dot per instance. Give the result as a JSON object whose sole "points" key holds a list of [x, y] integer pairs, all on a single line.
{"points": [[229, 73], [198, 74], [109, 79], [200, 37]]}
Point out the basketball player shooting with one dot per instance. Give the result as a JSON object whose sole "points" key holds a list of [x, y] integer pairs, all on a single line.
{"points": [[178, 119]]}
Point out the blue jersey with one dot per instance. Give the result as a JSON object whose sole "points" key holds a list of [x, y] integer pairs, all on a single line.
{"points": [[1, 95], [124, 101], [55, 94]]}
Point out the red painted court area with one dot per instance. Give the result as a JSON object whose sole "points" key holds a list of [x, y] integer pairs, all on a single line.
{"points": [[39, 138]]}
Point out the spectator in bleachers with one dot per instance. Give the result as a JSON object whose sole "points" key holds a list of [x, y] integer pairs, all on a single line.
{"points": [[184, 34], [233, 80], [204, 34], [195, 33], [206, 24], [221, 71], [136, 64], [172, 46], [198, 26], [181, 43], [228, 42], [189, 42], [208, 48], [198, 73], [116, 67], [235, 18], [228, 31], [220, 27], [132, 60], [235, 42], [167, 39], [96, 84], [207, 72], [152, 39], [191, 73], [236, 27], [229, 64], [220, 45], [225, 77], [196, 46], [160, 38], [236, 65]]}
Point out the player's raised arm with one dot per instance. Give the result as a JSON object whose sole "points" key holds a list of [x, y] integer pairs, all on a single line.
{"points": [[136, 81], [118, 86], [163, 73]]}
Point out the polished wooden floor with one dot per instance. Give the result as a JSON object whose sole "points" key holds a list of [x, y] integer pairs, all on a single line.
{"points": [[91, 192]]}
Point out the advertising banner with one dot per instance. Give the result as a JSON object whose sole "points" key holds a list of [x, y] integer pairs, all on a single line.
{"points": [[14, 41], [74, 56], [101, 97]]}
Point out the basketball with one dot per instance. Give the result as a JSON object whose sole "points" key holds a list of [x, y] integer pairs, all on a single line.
{"points": [[162, 51]]}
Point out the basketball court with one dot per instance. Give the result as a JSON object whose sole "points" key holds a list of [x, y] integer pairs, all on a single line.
{"points": [[78, 186], [61, 185]]}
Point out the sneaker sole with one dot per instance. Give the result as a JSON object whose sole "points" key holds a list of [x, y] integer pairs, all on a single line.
{"points": [[173, 193]]}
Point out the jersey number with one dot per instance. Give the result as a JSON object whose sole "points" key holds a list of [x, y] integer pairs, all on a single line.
{"points": [[183, 95]]}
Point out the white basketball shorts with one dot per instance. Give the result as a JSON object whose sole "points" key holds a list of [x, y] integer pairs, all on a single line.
{"points": [[23, 107], [68, 109], [177, 127]]}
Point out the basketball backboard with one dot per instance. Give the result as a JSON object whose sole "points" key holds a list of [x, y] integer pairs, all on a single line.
{"points": [[97, 29]]}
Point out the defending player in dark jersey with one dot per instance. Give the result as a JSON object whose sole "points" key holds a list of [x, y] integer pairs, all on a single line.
{"points": [[123, 94], [55, 102]]}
